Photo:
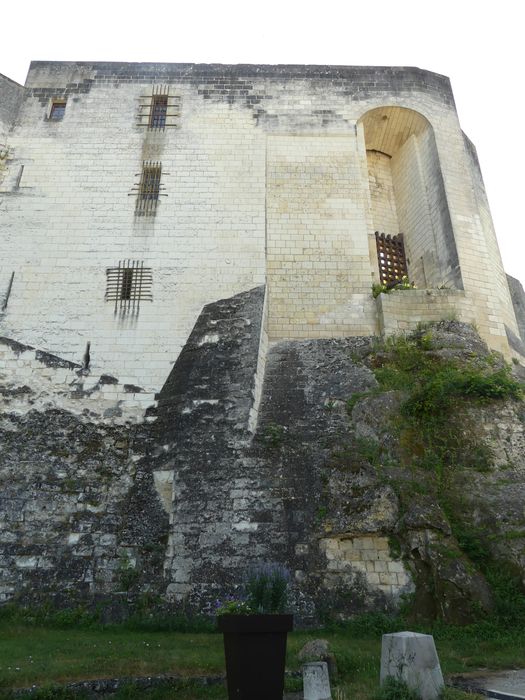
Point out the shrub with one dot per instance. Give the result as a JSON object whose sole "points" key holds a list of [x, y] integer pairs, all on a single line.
{"points": [[266, 588], [396, 689]]}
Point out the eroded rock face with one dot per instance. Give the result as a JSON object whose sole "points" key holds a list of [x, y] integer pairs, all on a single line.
{"points": [[79, 517], [332, 484], [378, 521]]}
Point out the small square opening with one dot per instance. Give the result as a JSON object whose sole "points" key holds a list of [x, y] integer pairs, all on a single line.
{"points": [[58, 109]]}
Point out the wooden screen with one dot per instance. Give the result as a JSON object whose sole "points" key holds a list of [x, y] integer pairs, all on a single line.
{"points": [[391, 258]]}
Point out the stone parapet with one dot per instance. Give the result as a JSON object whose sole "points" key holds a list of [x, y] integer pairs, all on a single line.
{"points": [[404, 310]]}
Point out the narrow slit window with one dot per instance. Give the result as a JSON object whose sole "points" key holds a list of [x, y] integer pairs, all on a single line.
{"points": [[58, 109], [129, 284], [159, 111]]}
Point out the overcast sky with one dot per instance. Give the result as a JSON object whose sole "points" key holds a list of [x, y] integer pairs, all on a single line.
{"points": [[478, 44]]}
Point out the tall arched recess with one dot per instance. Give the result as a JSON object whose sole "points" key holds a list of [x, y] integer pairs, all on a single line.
{"points": [[407, 193]]}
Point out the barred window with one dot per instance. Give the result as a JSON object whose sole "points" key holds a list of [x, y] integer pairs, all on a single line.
{"points": [[148, 188], [129, 284], [159, 110]]}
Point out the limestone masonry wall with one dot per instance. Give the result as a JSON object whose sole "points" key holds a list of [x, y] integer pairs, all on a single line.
{"points": [[34, 380], [264, 177], [368, 556]]}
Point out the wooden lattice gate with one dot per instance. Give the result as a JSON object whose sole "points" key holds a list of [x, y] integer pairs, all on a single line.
{"points": [[391, 258]]}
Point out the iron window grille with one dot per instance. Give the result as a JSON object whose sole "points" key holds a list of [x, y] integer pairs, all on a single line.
{"points": [[159, 110], [148, 189], [129, 284], [391, 258], [58, 109]]}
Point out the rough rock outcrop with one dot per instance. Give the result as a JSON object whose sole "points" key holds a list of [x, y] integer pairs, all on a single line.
{"points": [[336, 483]]}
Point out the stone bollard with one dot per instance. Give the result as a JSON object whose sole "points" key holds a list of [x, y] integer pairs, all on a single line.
{"points": [[412, 657], [316, 684]]}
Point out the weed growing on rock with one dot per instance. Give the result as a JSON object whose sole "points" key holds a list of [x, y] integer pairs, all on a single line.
{"points": [[436, 390], [439, 443], [273, 434], [396, 689]]}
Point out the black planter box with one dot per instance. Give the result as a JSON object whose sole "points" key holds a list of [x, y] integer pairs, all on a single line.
{"points": [[255, 650]]}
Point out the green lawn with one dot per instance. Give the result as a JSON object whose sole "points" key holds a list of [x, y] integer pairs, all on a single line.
{"points": [[31, 654]]}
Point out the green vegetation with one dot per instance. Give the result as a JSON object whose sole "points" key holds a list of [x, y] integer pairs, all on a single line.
{"points": [[395, 689], [439, 443], [404, 283], [35, 654], [273, 435], [267, 588], [147, 616], [265, 591], [433, 422], [128, 575]]}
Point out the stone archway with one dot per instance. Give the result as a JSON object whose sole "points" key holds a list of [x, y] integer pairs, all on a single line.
{"points": [[407, 193]]}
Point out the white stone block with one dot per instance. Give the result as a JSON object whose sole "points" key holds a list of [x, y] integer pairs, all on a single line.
{"points": [[412, 657], [316, 682]]}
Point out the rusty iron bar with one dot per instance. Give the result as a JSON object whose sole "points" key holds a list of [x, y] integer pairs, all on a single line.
{"points": [[128, 285], [8, 292]]}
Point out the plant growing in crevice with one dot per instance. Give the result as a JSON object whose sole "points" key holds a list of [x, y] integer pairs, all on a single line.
{"points": [[355, 398], [382, 288], [439, 441], [359, 454], [432, 420], [128, 575], [273, 434]]}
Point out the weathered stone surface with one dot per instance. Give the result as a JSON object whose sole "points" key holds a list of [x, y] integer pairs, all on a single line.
{"points": [[518, 301], [182, 504], [223, 511], [80, 517], [412, 657], [316, 683], [319, 650], [314, 649]]}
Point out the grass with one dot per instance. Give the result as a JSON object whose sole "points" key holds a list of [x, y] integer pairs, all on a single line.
{"points": [[33, 655], [41, 655]]}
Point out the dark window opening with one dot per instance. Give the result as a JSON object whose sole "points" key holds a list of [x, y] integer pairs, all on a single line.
{"points": [[159, 110], [150, 182], [149, 188], [129, 284], [58, 109]]}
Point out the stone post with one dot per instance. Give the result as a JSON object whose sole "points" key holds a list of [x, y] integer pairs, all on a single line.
{"points": [[412, 657], [316, 683]]}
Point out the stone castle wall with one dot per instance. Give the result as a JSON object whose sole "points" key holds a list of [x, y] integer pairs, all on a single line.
{"points": [[163, 448], [95, 506], [265, 177]]}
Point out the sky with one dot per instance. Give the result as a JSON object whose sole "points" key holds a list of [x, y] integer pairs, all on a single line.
{"points": [[476, 43]]}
